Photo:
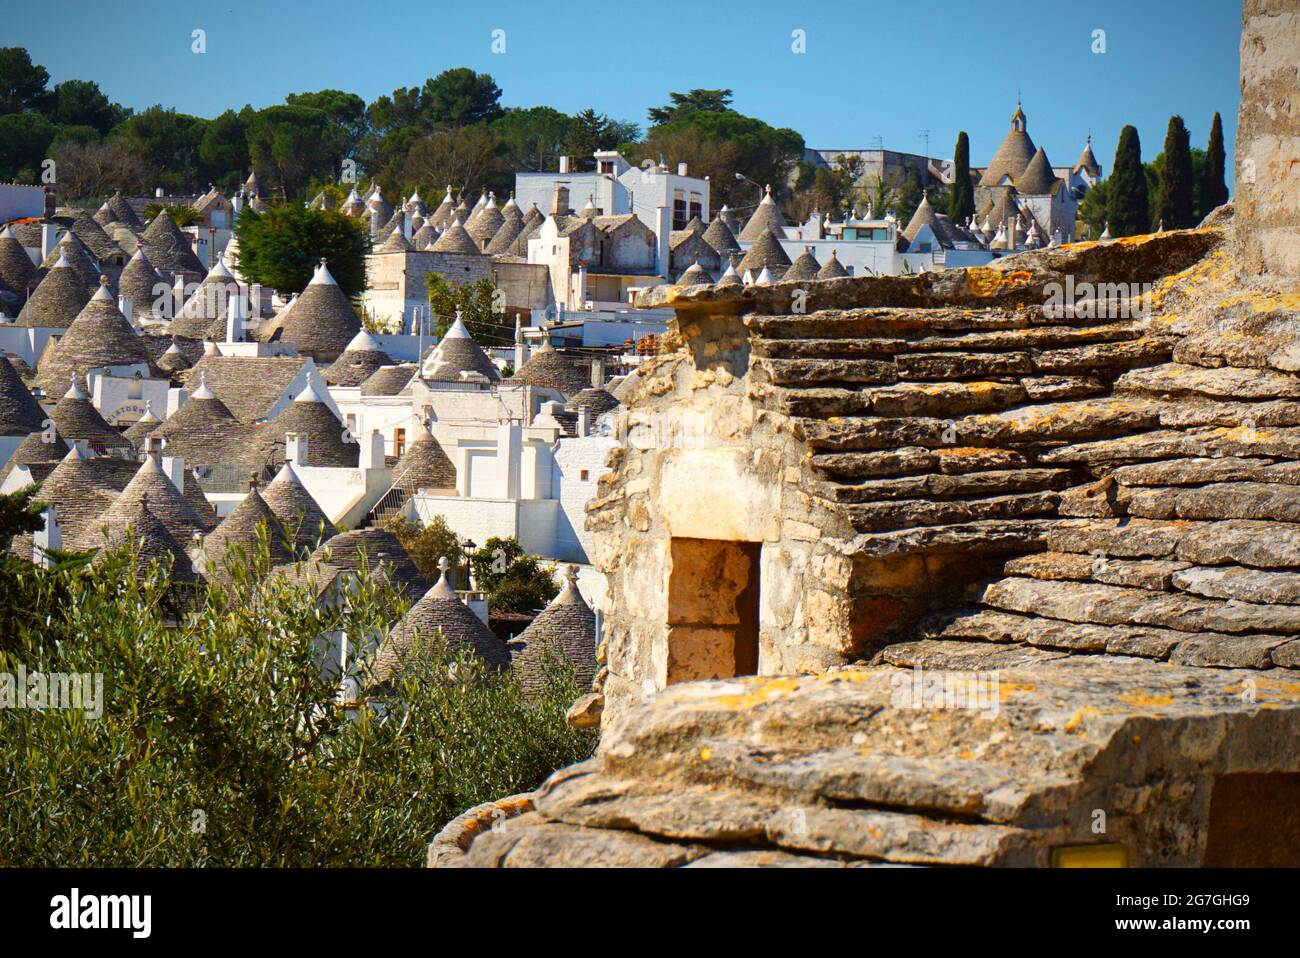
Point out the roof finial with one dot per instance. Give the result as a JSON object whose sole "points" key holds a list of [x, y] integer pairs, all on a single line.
{"points": [[571, 576], [252, 481], [444, 564]]}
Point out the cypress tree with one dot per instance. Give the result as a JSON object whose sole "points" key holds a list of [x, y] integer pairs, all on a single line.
{"points": [[1214, 189], [961, 202], [1174, 201], [1128, 212]]}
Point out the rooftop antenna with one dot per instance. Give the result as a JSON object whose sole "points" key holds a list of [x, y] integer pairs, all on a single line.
{"points": [[925, 136], [879, 141]]}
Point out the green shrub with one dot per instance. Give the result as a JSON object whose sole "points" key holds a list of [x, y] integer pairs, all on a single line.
{"points": [[220, 743]]}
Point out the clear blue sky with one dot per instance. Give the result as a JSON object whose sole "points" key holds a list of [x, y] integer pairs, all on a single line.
{"points": [[873, 68]]}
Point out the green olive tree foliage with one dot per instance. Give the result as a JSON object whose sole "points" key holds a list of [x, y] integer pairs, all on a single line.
{"points": [[220, 741]]}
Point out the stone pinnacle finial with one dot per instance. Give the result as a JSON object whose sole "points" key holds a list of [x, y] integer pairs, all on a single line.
{"points": [[444, 564], [571, 576], [252, 481]]}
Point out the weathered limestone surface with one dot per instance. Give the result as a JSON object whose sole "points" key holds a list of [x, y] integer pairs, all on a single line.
{"points": [[838, 769]]}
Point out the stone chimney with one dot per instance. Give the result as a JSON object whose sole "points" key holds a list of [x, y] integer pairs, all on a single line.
{"points": [[598, 373], [564, 164], [681, 169], [125, 305], [560, 204], [584, 421], [1267, 200]]}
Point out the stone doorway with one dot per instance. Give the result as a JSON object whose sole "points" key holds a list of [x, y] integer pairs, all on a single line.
{"points": [[713, 591], [1254, 821]]}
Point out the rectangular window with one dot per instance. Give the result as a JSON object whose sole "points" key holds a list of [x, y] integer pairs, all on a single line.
{"points": [[713, 603], [399, 442]]}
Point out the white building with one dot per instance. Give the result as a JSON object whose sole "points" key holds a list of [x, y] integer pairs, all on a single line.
{"points": [[616, 187]]}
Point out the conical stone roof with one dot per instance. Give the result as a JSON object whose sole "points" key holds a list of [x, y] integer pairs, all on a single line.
{"points": [[304, 521], [375, 552], [805, 266], [202, 430], [455, 240], [310, 417], [56, 301], [72, 251], [137, 524], [694, 275], [1038, 177], [1013, 155], [832, 268], [564, 630], [512, 225], [484, 224], [142, 428], [168, 248], [456, 355], [442, 215], [439, 611], [141, 284], [720, 237], [549, 369], [322, 322], [75, 417], [239, 533], [20, 413], [82, 488], [424, 465], [355, 364], [766, 218], [395, 243], [38, 455], [99, 336], [729, 278], [172, 509], [204, 313], [17, 271], [123, 213], [389, 380], [765, 253], [99, 243]]}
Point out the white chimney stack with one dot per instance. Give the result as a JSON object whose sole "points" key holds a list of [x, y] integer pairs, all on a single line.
{"points": [[47, 538], [564, 164], [174, 467], [236, 315], [663, 236], [372, 451], [681, 169], [584, 421], [49, 240], [295, 448], [178, 292], [124, 304]]}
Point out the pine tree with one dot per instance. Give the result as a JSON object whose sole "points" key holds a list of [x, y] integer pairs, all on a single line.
{"points": [[1174, 200], [1214, 190], [1129, 211], [961, 202]]}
